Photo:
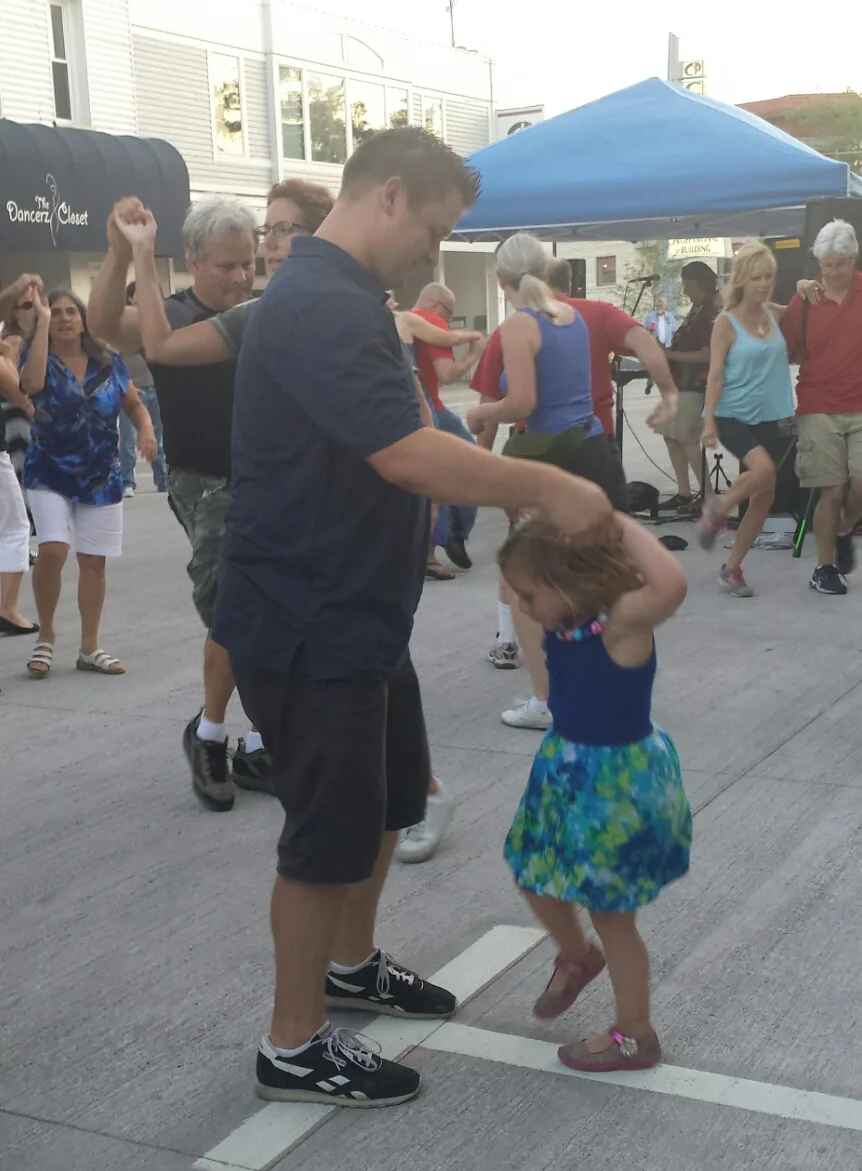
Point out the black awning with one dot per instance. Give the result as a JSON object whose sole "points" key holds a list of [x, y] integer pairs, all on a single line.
{"points": [[57, 186]]}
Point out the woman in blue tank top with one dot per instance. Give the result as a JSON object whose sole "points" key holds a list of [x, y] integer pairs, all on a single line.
{"points": [[604, 823], [547, 383], [748, 392]]}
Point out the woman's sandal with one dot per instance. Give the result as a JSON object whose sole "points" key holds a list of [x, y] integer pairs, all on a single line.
{"points": [[434, 571], [101, 662], [550, 1005], [622, 1053], [41, 660]]}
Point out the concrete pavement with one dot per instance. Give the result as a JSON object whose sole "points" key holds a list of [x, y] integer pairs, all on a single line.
{"points": [[134, 952]]}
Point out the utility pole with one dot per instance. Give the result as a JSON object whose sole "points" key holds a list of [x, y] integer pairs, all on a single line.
{"points": [[450, 8], [674, 70]]}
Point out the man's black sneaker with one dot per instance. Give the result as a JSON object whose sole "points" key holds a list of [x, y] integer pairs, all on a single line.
{"points": [[845, 557], [208, 760], [827, 580], [340, 1068], [251, 769], [457, 553], [383, 986]]}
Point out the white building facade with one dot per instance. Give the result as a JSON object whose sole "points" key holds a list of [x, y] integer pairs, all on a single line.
{"points": [[247, 94]]}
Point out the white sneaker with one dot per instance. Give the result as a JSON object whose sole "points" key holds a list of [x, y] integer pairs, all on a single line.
{"points": [[531, 714], [420, 842], [128, 493]]}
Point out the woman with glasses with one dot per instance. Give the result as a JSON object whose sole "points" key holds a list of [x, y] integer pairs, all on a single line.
{"points": [[20, 323], [14, 524], [72, 474], [294, 208]]}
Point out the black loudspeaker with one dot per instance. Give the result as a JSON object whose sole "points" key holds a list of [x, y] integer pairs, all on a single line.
{"points": [[788, 253], [818, 213]]}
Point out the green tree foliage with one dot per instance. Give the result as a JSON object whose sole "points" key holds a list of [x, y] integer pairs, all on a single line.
{"points": [[650, 256], [833, 126]]}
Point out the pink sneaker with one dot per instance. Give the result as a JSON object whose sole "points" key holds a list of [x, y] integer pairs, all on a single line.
{"points": [[735, 583], [623, 1053], [710, 525], [550, 1005]]}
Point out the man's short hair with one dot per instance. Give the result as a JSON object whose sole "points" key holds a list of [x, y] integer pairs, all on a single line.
{"points": [[701, 274], [835, 239], [313, 200], [429, 169], [435, 292], [212, 219], [559, 276]]}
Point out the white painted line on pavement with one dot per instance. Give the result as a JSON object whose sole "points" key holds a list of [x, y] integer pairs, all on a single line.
{"points": [[717, 1088], [274, 1131]]}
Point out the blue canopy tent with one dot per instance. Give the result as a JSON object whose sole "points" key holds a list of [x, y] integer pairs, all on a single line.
{"points": [[650, 162]]}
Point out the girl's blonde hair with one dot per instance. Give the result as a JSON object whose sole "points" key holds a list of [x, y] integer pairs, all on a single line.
{"points": [[744, 263], [521, 264], [590, 578]]}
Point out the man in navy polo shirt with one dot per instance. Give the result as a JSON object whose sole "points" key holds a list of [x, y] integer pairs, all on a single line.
{"points": [[324, 564]]}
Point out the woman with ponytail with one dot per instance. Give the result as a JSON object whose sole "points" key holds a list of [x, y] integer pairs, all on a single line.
{"points": [[546, 382]]}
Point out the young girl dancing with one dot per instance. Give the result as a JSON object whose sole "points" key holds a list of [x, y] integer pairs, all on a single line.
{"points": [[604, 822]]}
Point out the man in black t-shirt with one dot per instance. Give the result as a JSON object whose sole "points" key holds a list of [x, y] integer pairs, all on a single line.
{"points": [[689, 362], [196, 404]]}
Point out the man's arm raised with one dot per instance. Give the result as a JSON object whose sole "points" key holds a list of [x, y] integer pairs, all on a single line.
{"points": [[108, 316]]}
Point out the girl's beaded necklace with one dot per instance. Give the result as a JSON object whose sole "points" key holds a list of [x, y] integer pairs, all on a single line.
{"points": [[590, 629]]}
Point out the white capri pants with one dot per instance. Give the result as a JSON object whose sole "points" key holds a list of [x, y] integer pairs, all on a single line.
{"points": [[14, 525], [87, 528]]}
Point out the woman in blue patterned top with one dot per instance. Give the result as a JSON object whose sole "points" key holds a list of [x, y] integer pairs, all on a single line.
{"points": [[72, 473], [604, 822]]}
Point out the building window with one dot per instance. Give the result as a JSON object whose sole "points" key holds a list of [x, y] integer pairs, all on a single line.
{"points": [[292, 120], [228, 103], [433, 115], [326, 119], [367, 110], [397, 108], [60, 64], [606, 271]]}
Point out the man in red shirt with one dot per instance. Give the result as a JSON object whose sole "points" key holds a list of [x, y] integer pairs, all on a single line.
{"points": [[826, 339], [438, 367], [611, 332]]}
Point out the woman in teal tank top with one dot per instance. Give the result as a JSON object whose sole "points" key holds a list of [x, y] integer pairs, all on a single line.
{"points": [[748, 392]]}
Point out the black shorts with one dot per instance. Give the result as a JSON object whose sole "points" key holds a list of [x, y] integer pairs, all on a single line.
{"points": [[597, 459], [740, 438], [349, 760]]}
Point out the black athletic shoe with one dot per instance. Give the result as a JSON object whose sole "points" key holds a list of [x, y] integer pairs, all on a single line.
{"points": [[251, 769], [383, 986], [339, 1068], [845, 557], [827, 580], [457, 553], [208, 760]]}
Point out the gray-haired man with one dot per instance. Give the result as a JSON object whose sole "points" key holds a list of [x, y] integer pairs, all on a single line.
{"points": [[827, 342], [196, 405]]}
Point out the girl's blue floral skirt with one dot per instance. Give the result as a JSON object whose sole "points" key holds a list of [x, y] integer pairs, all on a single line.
{"points": [[603, 827]]}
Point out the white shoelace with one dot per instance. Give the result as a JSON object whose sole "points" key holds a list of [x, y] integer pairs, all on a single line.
{"points": [[343, 1045], [387, 967]]}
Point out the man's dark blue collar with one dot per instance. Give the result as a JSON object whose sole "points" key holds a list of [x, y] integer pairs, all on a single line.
{"points": [[313, 246]]}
